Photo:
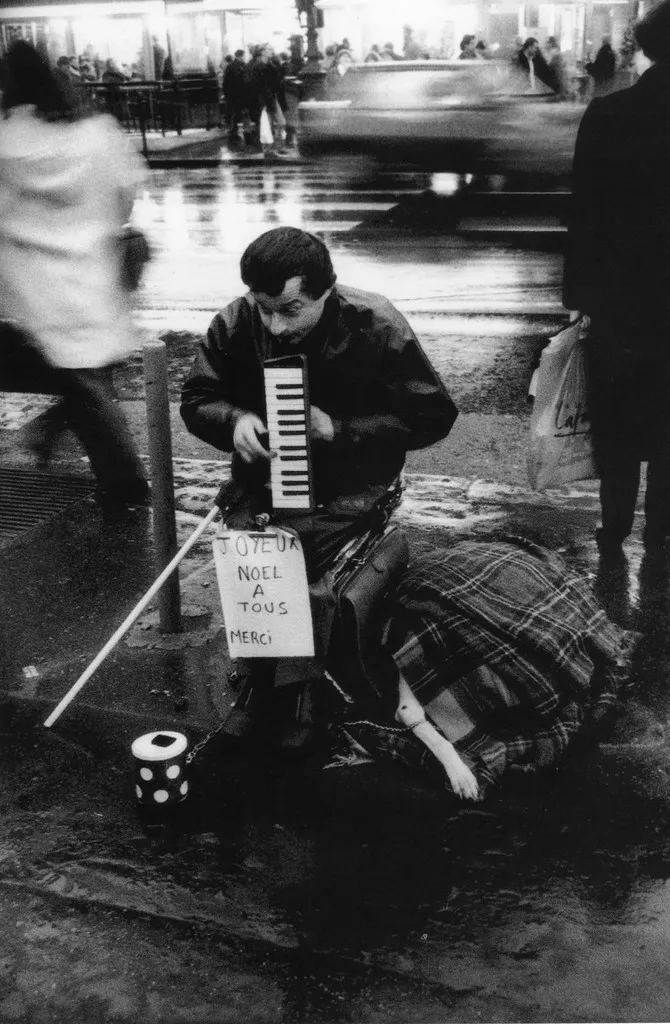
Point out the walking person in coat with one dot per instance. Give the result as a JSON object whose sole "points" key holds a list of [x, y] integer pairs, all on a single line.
{"points": [[262, 97], [67, 186], [530, 60], [617, 270], [235, 94], [603, 68]]}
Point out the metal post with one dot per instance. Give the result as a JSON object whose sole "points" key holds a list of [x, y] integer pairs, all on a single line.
{"points": [[162, 481], [142, 109]]}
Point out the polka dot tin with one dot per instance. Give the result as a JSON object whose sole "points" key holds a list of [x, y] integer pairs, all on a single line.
{"points": [[160, 763]]}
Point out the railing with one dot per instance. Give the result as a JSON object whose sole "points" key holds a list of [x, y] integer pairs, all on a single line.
{"points": [[169, 106]]}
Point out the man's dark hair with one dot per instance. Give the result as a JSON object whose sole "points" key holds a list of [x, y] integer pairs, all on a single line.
{"points": [[278, 255], [239, 53], [653, 33]]}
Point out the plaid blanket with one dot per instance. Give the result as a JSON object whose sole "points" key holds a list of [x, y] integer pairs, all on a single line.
{"points": [[507, 651]]}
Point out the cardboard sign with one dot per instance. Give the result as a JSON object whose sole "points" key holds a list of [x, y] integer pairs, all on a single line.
{"points": [[264, 593]]}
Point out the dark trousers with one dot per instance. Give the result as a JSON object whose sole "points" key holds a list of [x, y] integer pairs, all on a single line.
{"points": [[628, 373], [235, 111], [619, 485], [89, 408]]}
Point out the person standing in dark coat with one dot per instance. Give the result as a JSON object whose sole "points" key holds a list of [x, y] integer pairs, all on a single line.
{"points": [[235, 93], [603, 68], [158, 58], [617, 270], [531, 61], [261, 84]]}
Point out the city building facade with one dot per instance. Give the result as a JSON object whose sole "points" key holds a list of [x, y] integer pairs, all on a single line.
{"points": [[198, 34], [139, 34]]}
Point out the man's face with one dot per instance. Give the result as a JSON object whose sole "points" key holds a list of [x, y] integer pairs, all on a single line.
{"points": [[292, 314]]}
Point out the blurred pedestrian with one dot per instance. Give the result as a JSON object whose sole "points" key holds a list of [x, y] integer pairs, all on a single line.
{"points": [[262, 97], [277, 79], [411, 48], [328, 57], [531, 61], [67, 186], [482, 51], [158, 53], [112, 73], [603, 69], [235, 95], [557, 69], [112, 78], [373, 55], [86, 70], [467, 48], [340, 64], [617, 270], [388, 53], [343, 61]]}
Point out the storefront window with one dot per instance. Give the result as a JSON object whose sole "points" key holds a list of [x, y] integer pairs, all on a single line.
{"points": [[196, 41], [118, 38]]}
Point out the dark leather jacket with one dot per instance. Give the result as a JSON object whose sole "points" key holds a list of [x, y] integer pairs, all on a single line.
{"points": [[366, 369]]}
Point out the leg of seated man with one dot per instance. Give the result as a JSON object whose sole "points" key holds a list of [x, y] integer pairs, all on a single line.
{"points": [[323, 533]]}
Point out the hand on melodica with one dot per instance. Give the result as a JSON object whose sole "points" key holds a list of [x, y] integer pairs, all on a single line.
{"points": [[321, 425], [247, 435]]}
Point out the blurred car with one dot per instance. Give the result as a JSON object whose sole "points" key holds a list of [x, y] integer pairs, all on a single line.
{"points": [[465, 116]]}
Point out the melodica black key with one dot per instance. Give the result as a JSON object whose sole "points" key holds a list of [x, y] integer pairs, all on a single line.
{"points": [[287, 403]]}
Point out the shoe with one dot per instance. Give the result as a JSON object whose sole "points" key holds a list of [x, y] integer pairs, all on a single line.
{"points": [[252, 713], [306, 726]]}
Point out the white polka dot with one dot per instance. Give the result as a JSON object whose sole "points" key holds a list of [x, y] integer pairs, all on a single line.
{"points": [[173, 771], [183, 789], [161, 795], [139, 792], [146, 774]]}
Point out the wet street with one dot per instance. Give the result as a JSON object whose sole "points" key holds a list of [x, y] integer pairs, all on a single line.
{"points": [[358, 893], [201, 220]]}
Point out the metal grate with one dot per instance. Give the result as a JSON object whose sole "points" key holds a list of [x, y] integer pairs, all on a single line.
{"points": [[28, 498]]}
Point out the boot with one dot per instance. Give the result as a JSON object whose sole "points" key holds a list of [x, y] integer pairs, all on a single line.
{"points": [[306, 725], [253, 712]]}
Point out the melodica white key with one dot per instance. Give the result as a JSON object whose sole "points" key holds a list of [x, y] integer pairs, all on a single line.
{"points": [[287, 404]]}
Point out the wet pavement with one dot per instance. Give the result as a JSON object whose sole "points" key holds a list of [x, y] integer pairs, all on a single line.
{"points": [[307, 893]]}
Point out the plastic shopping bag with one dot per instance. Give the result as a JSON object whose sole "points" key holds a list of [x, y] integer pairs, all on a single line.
{"points": [[561, 447], [266, 136]]}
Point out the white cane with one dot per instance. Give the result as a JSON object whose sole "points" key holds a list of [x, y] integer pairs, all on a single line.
{"points": [[127, 623]]}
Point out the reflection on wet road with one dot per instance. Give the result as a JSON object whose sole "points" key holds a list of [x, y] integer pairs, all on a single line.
{"points": [[200, 220]]}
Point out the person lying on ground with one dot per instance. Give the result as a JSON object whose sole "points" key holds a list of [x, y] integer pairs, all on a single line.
{"points": [[504, 659]]}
